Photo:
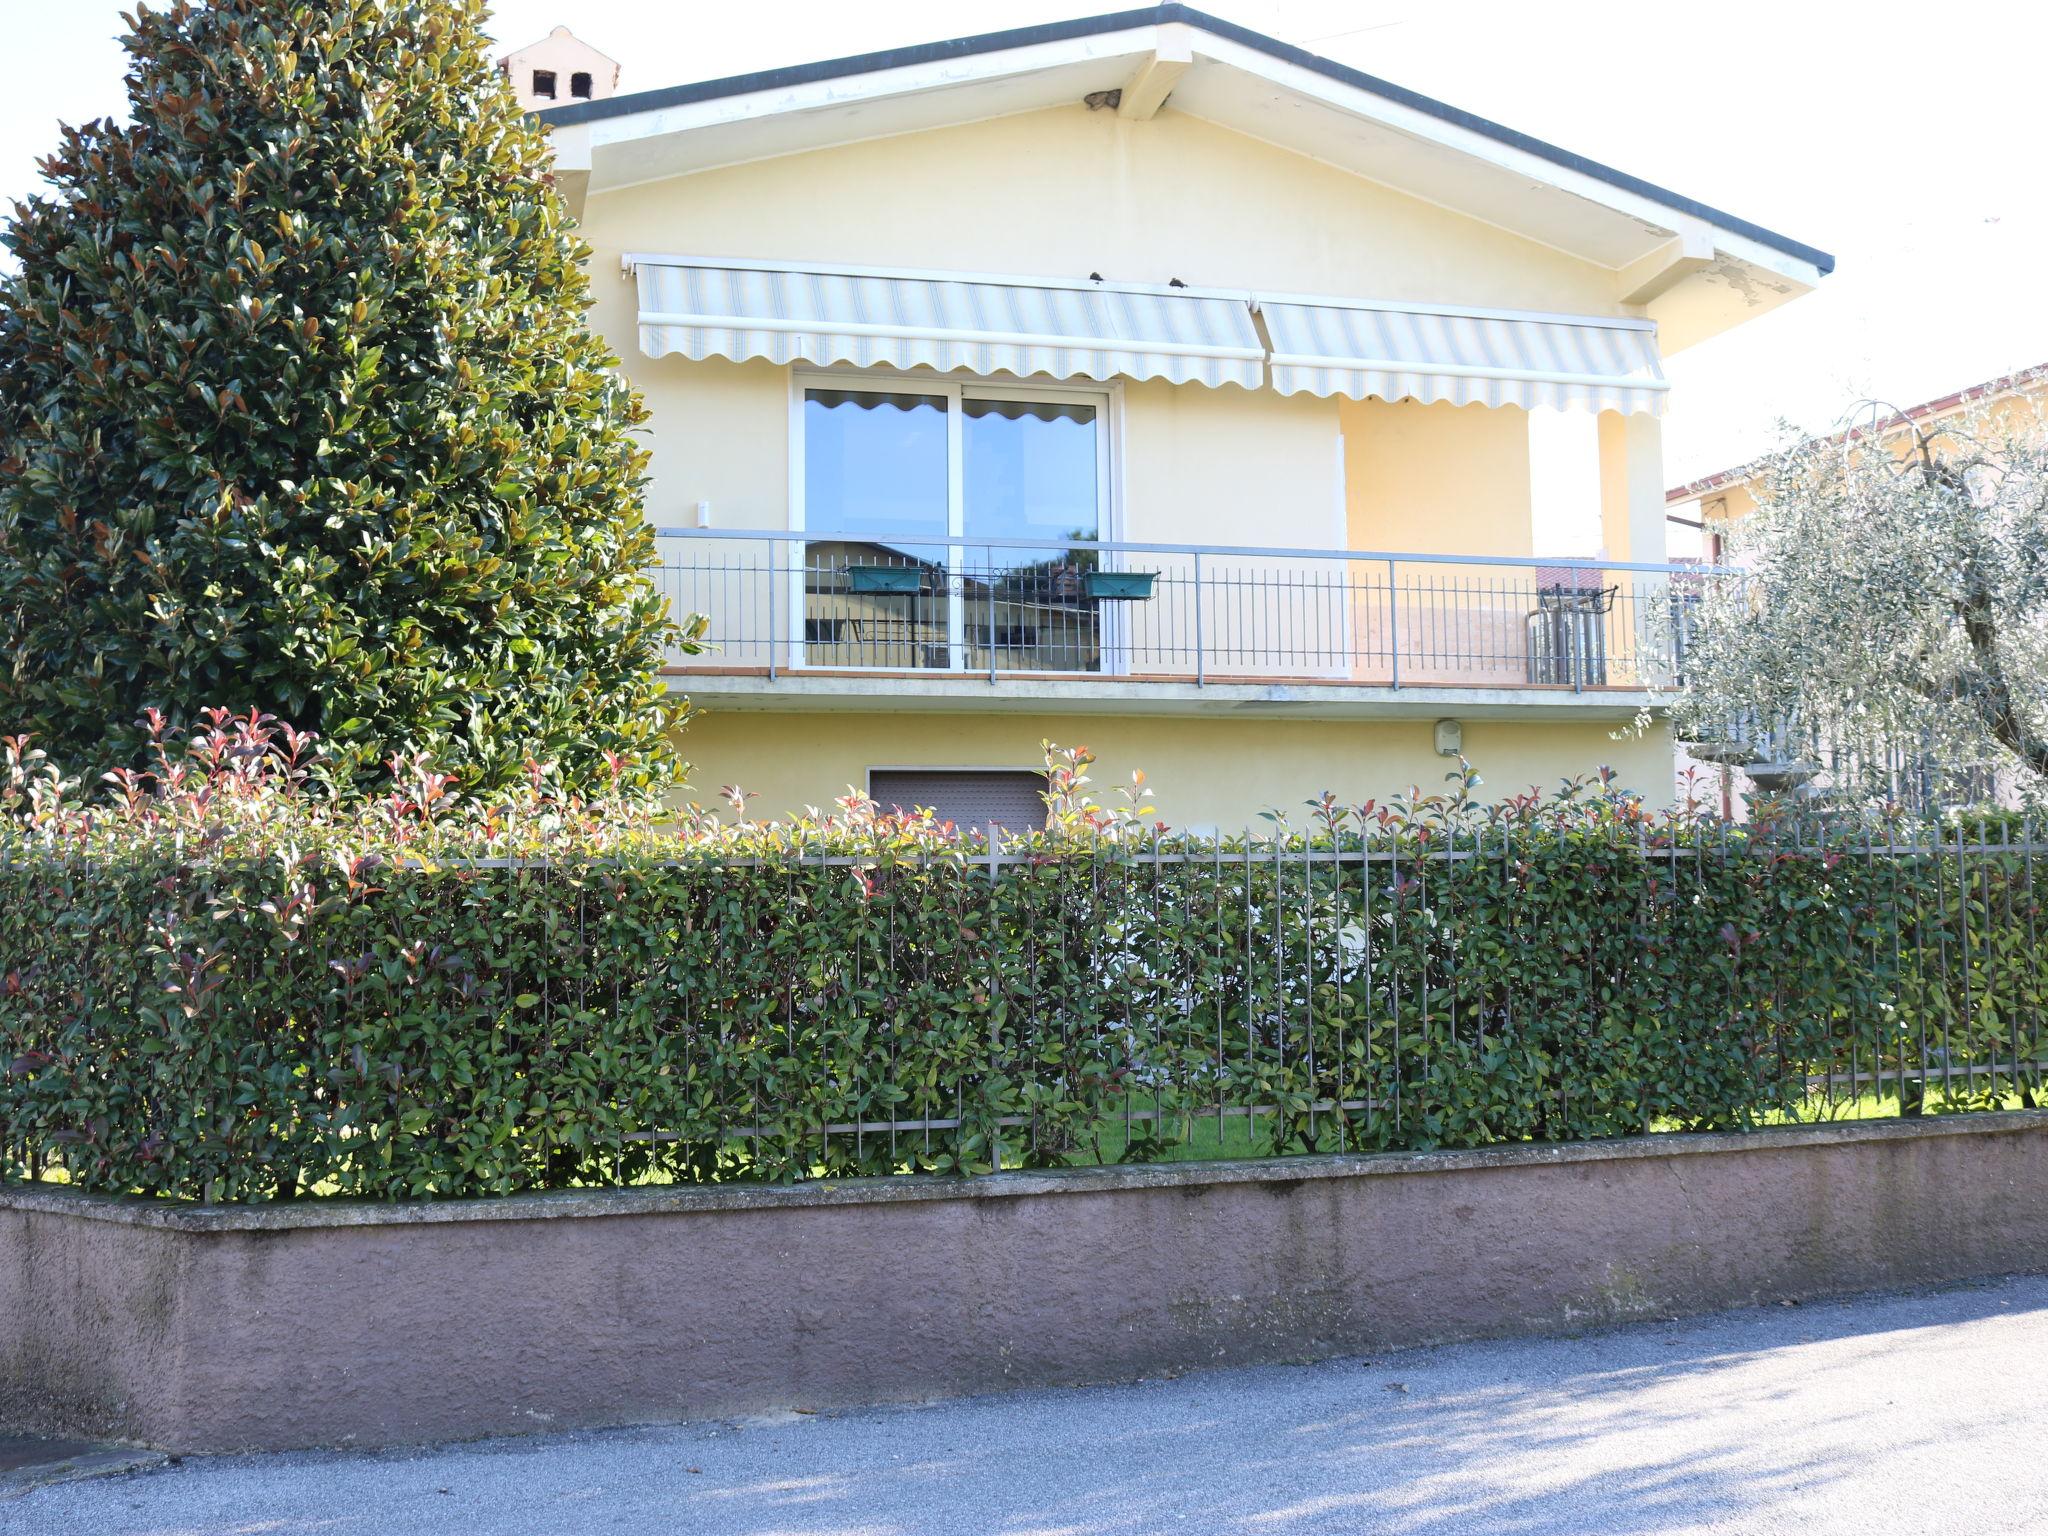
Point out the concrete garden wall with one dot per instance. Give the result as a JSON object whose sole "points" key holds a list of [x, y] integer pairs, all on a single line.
{"points": [[237, 1328]]}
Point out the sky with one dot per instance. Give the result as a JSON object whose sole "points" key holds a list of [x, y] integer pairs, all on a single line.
{"points": [[1902, 138]]}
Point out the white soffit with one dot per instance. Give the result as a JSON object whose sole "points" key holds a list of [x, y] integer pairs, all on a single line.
{"points": [[1414, 157], [759, 125]]}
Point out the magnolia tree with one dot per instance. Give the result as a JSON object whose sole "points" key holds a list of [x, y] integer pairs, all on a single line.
{"points": [[1894, 606], [299, 409]]}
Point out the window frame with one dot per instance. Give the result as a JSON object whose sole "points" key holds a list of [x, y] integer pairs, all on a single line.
{"points": [[553, 78], [1105, 395]]}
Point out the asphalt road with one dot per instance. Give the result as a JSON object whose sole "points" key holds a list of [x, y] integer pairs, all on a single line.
{"points": [[1919, 1413]]}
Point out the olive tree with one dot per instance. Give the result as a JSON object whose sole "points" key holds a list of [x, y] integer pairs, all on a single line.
{"points": [[1894, 597]]}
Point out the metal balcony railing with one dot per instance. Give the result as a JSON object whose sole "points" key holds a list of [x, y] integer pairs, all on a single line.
{"points": [[932, 606]]}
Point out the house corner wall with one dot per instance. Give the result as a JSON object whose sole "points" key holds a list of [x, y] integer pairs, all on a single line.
{"points": [[1632, 487]]}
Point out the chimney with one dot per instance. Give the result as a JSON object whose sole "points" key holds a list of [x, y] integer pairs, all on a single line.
{"points": [[558, 71]]}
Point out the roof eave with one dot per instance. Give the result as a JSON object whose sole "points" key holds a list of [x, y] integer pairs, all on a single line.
{"points": [[788, 77]]}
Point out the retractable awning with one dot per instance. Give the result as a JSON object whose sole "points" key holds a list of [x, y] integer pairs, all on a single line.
{"points": [[701, 309], [1397, 352]]}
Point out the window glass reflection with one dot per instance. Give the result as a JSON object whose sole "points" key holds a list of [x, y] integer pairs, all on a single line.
{"points": [[875, 463], [1029, 471]]}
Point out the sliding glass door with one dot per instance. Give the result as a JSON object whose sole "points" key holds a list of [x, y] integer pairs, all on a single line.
{"points": [[1031, 471], [877, 476], [1013, 474]]}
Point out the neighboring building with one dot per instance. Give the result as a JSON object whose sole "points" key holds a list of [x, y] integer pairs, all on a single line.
{"points": [[1144, 382], [1710, 505], [1704, 512], [560, 68]]}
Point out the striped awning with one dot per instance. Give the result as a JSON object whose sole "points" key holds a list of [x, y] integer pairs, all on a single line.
{"points": [[909, 320], [1398, 352]]}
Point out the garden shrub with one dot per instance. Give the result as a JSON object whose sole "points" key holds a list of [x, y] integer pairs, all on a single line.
{"points": [[216, 986]]}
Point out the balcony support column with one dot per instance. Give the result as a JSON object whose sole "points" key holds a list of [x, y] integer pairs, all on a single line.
{"points": [[1632, 487], [1632, 527]]}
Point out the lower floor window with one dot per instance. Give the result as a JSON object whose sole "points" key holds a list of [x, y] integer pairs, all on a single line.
{"points": [[973, 799]]}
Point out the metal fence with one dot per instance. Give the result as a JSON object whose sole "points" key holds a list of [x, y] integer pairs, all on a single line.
{"points": [[873, 999], [879, 602], [1909, 774], [1233, 996]]}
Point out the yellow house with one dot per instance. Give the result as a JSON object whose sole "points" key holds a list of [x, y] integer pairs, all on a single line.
{"points": [[1144, 382]]}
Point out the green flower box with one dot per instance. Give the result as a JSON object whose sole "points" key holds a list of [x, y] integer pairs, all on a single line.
{"points": [[1120, 586], [895, 580]]}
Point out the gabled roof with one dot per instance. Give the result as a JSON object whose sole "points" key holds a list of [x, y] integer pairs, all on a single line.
{"points": [[1693, 267], [1161, 15]]}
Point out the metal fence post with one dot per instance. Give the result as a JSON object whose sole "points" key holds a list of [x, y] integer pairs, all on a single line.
{"points": [[1394, 623], [1201, 669], [1581, 633], [771, 609]]}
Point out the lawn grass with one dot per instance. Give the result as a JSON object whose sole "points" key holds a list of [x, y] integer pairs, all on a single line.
{"points": [[1202, 1138], [1210, 1137]]}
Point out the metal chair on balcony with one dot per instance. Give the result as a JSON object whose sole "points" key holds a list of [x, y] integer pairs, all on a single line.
{"points": [[1568, 628]]}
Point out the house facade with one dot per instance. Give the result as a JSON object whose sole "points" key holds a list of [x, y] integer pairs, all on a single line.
{"points": [[1147, 383]]}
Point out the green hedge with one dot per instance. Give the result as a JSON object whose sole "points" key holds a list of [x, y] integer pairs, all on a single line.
{"points": [[257, 996]]}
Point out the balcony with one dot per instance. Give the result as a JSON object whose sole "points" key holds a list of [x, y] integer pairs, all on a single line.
{"points": [[871, 618]]}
